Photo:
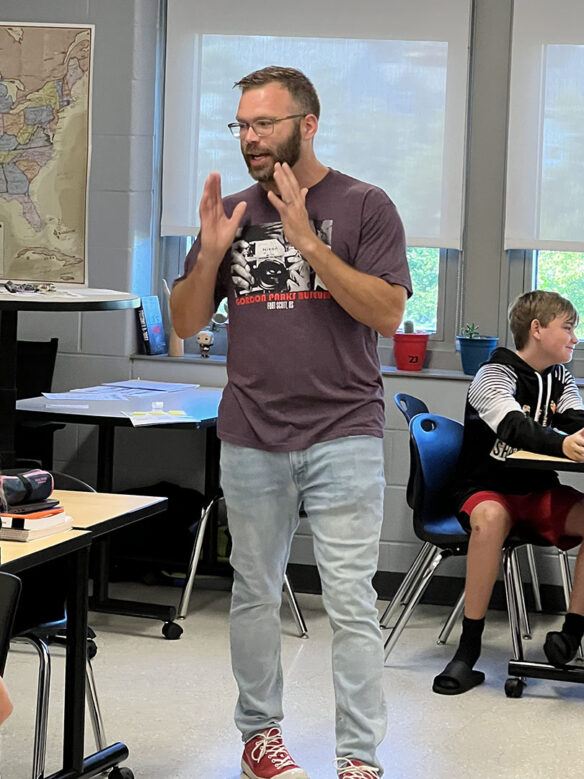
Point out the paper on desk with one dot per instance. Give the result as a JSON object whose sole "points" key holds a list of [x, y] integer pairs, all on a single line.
{"points": [[144, 384], [140, 418], [98, 393]]}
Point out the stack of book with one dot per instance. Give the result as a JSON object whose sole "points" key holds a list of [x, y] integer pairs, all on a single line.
{"points": [[33, 520]]}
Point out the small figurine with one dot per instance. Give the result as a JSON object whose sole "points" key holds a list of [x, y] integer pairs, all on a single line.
{"points": [[205, 340]]}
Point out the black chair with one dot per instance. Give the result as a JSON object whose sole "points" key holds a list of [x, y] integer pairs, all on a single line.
{"points": [[35, 365], [217, 504], [10, 587], [42, 621]]}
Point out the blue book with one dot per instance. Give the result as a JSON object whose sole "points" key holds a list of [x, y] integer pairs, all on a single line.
{"points": [[151, 327]]}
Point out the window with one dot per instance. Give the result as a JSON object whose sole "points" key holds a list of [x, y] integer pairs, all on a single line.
{"points": [[545, 172], [422, 307], [393, 97], [562, 272]]}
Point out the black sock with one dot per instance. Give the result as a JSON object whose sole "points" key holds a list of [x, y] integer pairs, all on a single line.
{"points": [[469, 648], [574, 626]]}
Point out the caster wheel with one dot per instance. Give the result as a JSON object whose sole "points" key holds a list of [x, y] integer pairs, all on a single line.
{"points": [[91, 649], [121, 773], [171, 631], [514, 687]]}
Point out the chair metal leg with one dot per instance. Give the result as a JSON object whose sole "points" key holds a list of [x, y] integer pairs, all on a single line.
{"points": [[413, 571], [455, 615], [42, 707], [194, 561], [566, 574], [566, 577], [295, 608], [416, 593], [403, 592], [522, 608], [534, 577], [512, 602], [93, 707]]}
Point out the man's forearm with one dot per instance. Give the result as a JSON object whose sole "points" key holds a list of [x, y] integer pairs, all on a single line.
{"points": [[367, 298], [192, 301]]}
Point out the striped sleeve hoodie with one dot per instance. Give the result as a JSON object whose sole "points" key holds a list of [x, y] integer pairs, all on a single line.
{"points": [[511, 406]]}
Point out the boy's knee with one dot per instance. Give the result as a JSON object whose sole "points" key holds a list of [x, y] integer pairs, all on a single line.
{"points": [[489, 519]]}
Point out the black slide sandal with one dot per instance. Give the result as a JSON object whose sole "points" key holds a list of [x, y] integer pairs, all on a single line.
{"points": [[560, 648], [457, 678]]}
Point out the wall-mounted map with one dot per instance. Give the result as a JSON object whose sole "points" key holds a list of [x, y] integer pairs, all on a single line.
{"points": [[45, 101]]}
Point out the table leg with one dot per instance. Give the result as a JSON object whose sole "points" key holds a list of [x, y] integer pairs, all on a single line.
{"points": [[75, 765], [100, 600], [105, 458]]}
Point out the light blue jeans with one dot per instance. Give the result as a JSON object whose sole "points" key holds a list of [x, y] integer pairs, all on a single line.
{"points": [[341, 485]]}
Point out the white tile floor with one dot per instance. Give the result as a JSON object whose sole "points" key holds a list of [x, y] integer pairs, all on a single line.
{"points": [[172, 702]]}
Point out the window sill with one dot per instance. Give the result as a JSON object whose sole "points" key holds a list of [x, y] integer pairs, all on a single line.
{"points": [[388, 371], [220, 359]]}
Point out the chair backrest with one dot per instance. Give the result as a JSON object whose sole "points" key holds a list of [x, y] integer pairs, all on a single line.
{"points": [[409, 405], [35, 365], [436, 442], [64, 481], [9, 594]]}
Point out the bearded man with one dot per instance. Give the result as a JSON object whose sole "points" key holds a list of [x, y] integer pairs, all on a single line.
{"points": [[301, 419]]}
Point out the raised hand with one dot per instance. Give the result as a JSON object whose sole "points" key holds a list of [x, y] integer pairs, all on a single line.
{"points": [[289, 203], [217, 230]]}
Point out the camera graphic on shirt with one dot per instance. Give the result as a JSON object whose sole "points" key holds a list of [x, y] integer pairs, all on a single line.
{"points": [[270, 274]]}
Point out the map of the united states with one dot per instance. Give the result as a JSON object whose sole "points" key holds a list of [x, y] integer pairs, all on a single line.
{"points": [[44, 151]]}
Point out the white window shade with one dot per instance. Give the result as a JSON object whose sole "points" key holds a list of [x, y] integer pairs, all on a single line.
{"points": [[545, 166], [392, 78]]}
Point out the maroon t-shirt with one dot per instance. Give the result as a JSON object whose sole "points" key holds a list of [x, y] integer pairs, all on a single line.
{"points": [[300, 369]]}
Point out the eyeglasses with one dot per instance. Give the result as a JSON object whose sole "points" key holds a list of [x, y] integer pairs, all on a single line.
{"points": [[260, 127]]}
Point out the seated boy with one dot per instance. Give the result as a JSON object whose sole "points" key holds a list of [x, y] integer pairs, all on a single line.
{"points": [[519, 400]]}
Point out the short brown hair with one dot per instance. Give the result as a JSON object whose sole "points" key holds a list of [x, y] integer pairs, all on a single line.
{"points": [[541, 305], [300, 87]]}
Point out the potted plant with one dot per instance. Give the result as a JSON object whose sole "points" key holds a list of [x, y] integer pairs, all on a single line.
{"points": [[475, 349], [409, 347]]}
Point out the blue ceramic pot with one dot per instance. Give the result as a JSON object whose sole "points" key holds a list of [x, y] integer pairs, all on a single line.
{"points": [[475, 351]]}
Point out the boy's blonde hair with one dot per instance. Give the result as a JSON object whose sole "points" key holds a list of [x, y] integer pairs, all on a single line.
{"points": [[541, 305]]}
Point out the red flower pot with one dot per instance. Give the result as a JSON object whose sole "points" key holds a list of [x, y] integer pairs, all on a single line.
{"points": [[409, 350]]}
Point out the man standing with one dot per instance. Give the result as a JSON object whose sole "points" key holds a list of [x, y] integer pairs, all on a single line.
{"points": [[301, 419]]}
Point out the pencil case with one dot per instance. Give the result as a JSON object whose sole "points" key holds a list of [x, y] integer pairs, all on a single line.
{"points": [[27, 487]]}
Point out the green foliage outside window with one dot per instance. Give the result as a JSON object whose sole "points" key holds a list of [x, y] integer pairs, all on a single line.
{"points": [[563, 272], [422, 306]]}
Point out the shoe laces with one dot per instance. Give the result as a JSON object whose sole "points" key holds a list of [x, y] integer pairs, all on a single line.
{"points": [[355, 769], [269, 744]]}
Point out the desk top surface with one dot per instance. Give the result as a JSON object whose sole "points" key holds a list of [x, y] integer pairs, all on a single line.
{"points": [[18, 555], [201, 404], [80, 299], [100, 512], [104, 510], [525, 459]]}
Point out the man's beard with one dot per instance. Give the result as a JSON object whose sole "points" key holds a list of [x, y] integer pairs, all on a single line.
{"points": [[288, 151]]}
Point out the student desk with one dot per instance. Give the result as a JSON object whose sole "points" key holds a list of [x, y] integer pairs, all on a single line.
{"points": [[73, 547], [521, 667], [202, 405], [102, 513]]}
